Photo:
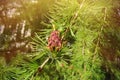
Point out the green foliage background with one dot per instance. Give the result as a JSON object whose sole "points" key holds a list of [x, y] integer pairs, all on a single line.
{"points": [[90, 51]]}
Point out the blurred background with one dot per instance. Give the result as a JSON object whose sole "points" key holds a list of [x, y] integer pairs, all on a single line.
{"points": [[19, 20]]}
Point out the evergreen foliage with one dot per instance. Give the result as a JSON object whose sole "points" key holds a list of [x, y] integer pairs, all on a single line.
{"points": [[90, 45]]}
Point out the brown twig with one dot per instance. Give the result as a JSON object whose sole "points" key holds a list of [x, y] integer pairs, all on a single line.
{"points": [[40, 68], [98, 40], [43, 64]]}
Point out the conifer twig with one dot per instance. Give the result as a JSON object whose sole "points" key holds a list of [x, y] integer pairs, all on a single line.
{"points": [[43, 64], [40, 68], [98, 40], [76, 13]]}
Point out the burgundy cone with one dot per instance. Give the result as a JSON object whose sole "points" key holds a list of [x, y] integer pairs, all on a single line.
{"points": [[54, 41]]}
